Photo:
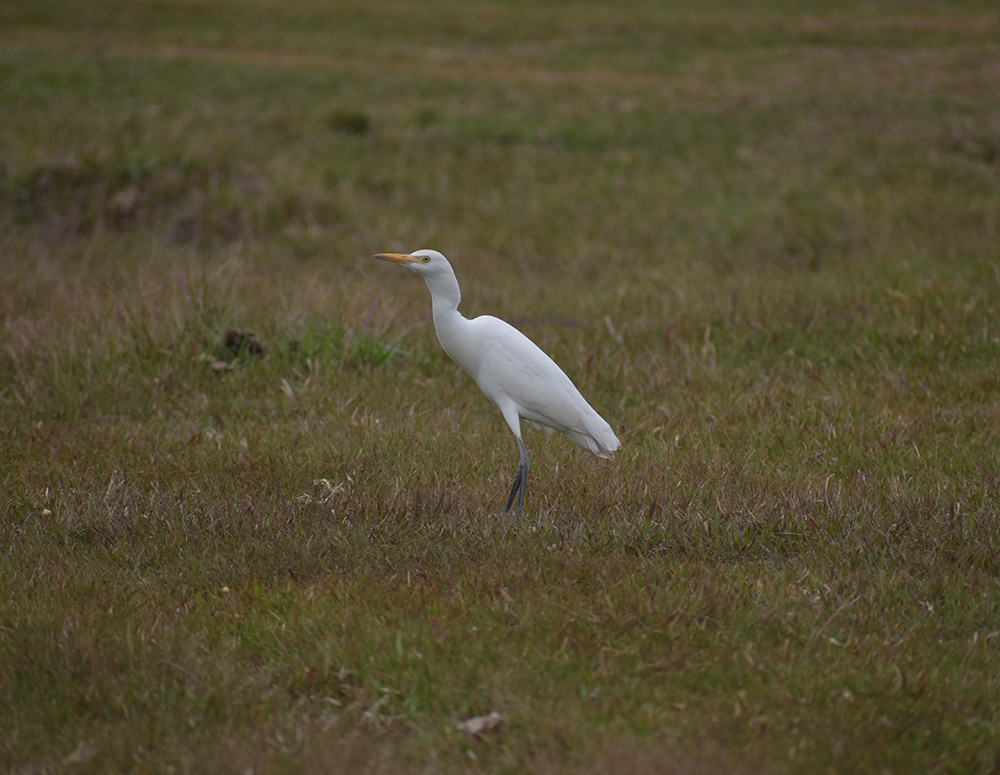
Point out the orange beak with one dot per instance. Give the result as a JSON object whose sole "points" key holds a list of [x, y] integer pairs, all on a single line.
{"points": [[396, 258]]}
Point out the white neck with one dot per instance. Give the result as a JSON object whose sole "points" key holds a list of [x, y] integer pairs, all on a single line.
{"points": [[448, 321], [445, 294]]}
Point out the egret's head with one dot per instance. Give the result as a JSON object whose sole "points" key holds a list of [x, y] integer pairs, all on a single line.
{"points": [[436, 271], [425, 262]]}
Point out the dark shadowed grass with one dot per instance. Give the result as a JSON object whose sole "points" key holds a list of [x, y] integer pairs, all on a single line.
{"points": [[251, 511]]}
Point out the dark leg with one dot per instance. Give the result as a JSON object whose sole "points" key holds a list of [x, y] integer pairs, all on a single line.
{"points": [[520, 482], [513, 492]]}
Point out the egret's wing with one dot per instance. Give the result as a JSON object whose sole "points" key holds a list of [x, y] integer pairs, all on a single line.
{"points": [[512, 368]]}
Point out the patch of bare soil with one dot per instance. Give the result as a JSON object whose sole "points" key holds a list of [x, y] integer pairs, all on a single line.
{"points": [[66, 198]]}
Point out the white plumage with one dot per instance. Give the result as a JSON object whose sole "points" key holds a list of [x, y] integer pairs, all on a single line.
{"points": [[511, 370]]}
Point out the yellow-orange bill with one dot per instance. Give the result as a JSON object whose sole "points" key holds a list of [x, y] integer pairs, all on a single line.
{"points": [[396, 258]]}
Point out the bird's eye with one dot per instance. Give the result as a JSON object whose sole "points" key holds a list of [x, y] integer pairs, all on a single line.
{"points": [[425, 259]]}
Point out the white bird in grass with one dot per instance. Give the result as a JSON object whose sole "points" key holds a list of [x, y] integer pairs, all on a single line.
{"points": [[513, 372]]}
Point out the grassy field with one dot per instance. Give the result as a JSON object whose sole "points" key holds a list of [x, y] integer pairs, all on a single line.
{"points": [[762, 239]]}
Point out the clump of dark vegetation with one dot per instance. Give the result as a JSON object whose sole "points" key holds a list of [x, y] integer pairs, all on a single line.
{"points": [[238, 342], [350, 122]]}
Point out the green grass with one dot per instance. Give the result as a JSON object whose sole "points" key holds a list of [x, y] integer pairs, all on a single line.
{"points": [[763, 242]]}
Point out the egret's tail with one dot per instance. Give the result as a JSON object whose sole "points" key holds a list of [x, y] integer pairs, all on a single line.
{"points": [[597, 436]]}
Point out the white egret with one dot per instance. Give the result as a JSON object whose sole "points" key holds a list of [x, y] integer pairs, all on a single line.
{"points": [[513, 372]]}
